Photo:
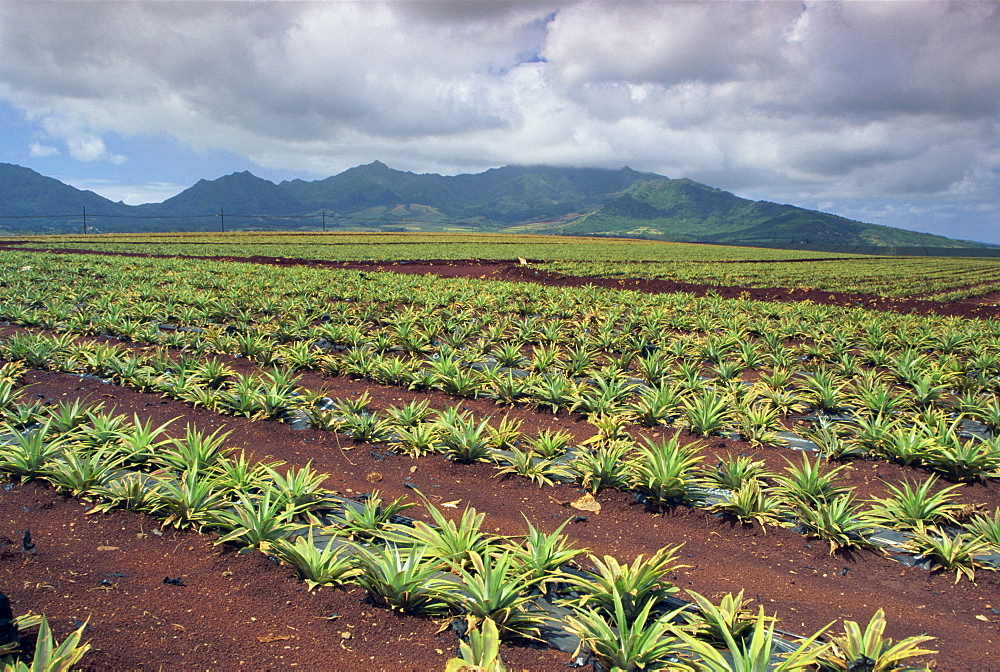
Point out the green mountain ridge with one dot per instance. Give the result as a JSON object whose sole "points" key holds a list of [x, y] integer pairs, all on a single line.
{"points": [[25, 193], [243, 192], [537, 199]]}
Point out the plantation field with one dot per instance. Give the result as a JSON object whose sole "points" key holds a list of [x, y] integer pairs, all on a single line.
{"points": [[406, 246], [549, 467], [933, 278]]}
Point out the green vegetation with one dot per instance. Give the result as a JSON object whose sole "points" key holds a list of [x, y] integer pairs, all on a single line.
{"points": [[934, 278], [667, 360], [910, 389], [619, 610], [49, 655], [883, 654], [360, 246]]}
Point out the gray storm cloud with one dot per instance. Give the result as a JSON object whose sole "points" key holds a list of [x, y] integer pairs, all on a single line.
{"points": [[809, 102]]}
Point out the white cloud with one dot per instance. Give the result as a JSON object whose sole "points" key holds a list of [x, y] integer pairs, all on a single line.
{"points": [[91, 148], [822, 101], [39, 150], [81, 144]]}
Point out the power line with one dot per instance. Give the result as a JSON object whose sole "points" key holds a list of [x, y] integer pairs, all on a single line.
{"points": [[323, 216], [39, 216]]}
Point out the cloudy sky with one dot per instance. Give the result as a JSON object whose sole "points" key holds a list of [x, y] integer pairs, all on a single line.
{"points": [[885, 111]]}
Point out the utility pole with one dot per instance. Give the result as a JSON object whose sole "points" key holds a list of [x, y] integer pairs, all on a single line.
{"points": [[85, 220], [222, 219], [324, 221]]}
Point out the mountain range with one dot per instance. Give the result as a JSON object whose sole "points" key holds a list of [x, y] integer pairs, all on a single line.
{"points": [[526, 199]]}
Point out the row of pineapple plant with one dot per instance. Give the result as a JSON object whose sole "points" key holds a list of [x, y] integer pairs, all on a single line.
{"points": [[610, 339], [444, 567], [931, 438], [941, 279], [901, 418], [663, 473], [228, 302], [416, 329]]}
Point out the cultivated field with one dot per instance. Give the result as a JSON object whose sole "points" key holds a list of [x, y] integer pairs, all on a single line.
{"points": [[935, 278], [342, 458]]}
